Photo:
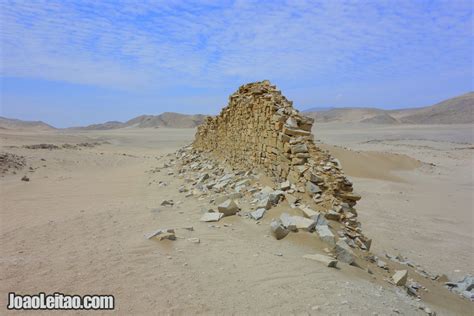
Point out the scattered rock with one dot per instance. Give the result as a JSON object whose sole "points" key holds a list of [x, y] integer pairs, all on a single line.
{"points": [[287, 222], [326, 235], [344, 253], [332, 215], [265, 203], [400, 277], [303, 223], [278, 230], [25, 178], [228, 208], [312, 188], [465, 287], [194, 240], [326, 260], [211, 217], [167, 203], [382, 264], [258, 214], [161, 234], [285, 185]]}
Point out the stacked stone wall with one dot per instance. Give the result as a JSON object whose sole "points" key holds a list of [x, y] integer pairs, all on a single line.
{"points": [[259, 128]]}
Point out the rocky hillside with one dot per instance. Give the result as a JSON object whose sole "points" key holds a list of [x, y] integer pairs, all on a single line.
{"points": [[458, 110], [8, 123], [167, 119]]}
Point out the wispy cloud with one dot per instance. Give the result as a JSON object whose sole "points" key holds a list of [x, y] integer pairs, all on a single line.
{"points": [[130, 44]]}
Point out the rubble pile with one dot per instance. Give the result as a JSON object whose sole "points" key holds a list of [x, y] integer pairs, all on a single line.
{"points": [[11, 163]]}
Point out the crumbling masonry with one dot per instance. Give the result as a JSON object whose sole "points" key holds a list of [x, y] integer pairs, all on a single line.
{"points": [[260, 128]]}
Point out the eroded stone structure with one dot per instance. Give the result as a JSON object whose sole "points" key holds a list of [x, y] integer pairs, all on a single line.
{"points": [[259, 128]]}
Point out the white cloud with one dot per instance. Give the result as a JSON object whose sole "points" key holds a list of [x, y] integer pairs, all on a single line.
{"points": [[136, 44]]}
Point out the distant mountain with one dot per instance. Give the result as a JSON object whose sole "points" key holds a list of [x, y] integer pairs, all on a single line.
{"points": [[8, 123], [318, 109], [457, 110], [167, 119]]}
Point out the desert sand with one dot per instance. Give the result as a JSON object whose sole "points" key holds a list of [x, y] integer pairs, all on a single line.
{"points": [[79, 226]]}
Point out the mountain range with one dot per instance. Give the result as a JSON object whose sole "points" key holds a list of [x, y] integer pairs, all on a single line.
{"points": [[457, 110]]}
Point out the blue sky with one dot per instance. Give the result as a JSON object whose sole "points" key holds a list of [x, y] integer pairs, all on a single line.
{"points": [[81, 62]]}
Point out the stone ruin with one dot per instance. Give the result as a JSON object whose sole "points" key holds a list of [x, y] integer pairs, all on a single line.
{"points": [[259, 153], [260, 129]]}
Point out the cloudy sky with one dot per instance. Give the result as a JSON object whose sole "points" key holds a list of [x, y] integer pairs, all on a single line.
{"points": [[80, 62]]}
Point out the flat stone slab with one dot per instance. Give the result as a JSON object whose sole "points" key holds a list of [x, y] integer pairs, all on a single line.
{"points": [[161, 234], [309, 212], [344, 253], [287, 221], [326, 260], [258, 214], [303, 223], [325, 234], [211, 217]]}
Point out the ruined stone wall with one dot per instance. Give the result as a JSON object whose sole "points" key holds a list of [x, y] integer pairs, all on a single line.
{"points": [[259, 128]]}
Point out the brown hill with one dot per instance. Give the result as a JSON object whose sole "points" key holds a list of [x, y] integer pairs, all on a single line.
{"points": [[458, 110], [167, 119], [8, 123]]}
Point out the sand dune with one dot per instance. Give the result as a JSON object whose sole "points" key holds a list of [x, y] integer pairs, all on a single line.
{"points": [[372, 164]]}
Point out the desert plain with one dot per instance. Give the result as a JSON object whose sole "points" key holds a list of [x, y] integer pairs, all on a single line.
{"points": [[79, 225]]}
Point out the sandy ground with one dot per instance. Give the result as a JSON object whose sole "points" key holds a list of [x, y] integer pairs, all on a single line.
{"points": [[78, 227], [419, 202]]}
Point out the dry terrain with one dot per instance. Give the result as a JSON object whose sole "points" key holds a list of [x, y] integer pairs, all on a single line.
{"points": [[79, 224], [457, 110]]}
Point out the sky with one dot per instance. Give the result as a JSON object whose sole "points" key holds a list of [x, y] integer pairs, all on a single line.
{"points": [[73, 63]]}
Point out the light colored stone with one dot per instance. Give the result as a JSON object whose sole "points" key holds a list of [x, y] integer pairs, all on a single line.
{"points": [[161, 234], [382, 264], [400, 277], [299, 148], [258, 214], [303, 223], [326, 260], [312, 188], [287, 221], [285, 185], [344, 253], [194, 240], [331, 215], [274, 196], [265, 203], [211, 217], [326, 235], [228, 208], [278, 230], [309, 212]]}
